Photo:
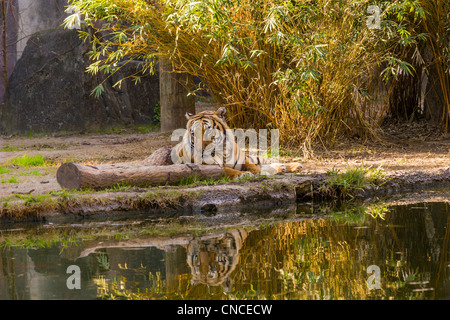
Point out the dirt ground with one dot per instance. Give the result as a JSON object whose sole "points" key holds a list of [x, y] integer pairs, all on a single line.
{"points": [[415, 146]]}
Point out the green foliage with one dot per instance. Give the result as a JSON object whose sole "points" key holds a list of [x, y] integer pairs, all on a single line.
{"points": [[344, 185], [9, 148], [28, 161], [4, 170], [98, 90], [119, 187], [275, 64], [33, 199], [10, 180], [30, 173], [194, 180]]}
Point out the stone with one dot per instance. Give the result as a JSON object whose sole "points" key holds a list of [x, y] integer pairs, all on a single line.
{"points": [[50, 91]]}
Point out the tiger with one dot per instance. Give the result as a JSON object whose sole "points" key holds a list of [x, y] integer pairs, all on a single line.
{"points": [[222, 149], [213, 260]]}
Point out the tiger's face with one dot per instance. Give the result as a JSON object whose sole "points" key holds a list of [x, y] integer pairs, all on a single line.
{"points": [[205, 125], [213, 260]]}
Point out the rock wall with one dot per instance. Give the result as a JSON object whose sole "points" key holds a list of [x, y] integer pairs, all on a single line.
{"points": [[35, 16], [49, 90], [23, 19]]}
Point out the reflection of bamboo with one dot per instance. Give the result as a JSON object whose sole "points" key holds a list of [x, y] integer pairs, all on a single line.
{"points": [[398, 243], [444, 251]]}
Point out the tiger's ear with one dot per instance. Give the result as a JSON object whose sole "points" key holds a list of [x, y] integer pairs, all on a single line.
{"points": [[188, 115], [221, 112]]}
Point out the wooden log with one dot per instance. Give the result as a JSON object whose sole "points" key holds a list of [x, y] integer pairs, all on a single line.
{"points": [[76, 176]]}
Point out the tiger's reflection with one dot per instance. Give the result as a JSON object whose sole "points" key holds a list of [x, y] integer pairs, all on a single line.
{"points": [[213, 260]]}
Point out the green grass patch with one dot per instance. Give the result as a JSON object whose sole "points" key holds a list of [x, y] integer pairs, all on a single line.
{"points": [[142, 128], [10, 180], [4, 170], [37, 160], [147, 128], [9, 148], [34, 199], [118, 187], [30, 173], [194, 180], [344, 185]]}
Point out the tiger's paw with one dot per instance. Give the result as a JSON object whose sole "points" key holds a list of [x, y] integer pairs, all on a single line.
{"points": [[293, 167], [272, 169], [280, 168], [245, 174]]}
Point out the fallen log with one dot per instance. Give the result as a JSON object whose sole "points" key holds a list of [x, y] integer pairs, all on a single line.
{"points": [[76, 176]]}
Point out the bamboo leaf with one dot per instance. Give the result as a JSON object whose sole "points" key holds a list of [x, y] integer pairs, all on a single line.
{"points": [[98, 91]]}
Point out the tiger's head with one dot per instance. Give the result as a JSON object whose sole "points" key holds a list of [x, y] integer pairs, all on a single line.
{"points": [[213, 260], [205, 125]]}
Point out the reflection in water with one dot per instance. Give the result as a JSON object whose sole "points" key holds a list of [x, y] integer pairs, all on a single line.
{"points": [[307, 257], [213, 260]]}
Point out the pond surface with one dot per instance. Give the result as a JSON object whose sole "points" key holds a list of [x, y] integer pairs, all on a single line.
{"points": [[294, 252]]}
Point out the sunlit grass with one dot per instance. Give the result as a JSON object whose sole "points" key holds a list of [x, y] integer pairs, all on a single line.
{"points": [[37, 160], [30, 173], [194, 180], [4, 170], [345, 184], [10, 180]]}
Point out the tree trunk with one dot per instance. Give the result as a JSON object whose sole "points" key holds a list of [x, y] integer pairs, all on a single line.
{"points": [[174, 101], [4, 45], [76, 176]]}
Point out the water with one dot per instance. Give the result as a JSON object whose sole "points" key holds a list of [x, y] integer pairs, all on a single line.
{"points": [[290, 253]]}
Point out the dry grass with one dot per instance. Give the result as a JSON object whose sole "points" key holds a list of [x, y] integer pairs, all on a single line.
{"points": [[312, 69]]}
